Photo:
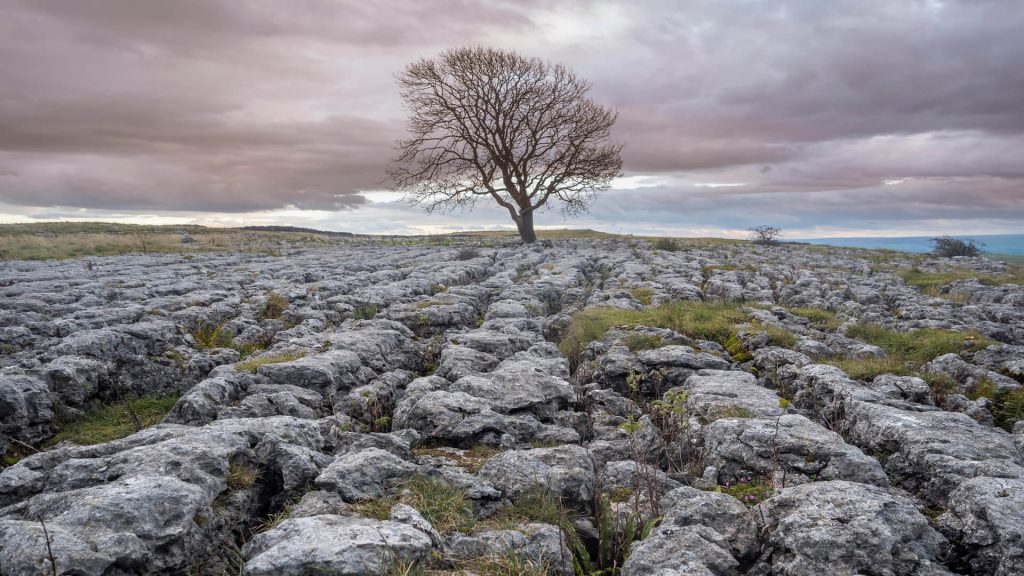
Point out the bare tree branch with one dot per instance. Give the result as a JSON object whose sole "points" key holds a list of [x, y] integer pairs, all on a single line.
{"points": [[488, 122]]}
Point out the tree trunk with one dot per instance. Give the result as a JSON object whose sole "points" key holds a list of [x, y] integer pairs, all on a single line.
{"points": [[525, 224]]}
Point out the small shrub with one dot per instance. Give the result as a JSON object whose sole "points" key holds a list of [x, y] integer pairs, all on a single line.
{"points": [[253, 364], [113, 421], [210, 336], [948, 247], [734, 346], [667, 244], [984, 388], [1010, 409], [941, 385], [364, 312], [765, 235]]}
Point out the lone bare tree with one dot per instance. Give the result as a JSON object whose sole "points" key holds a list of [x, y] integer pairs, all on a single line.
{"points": [[765, 235], [490, 123]]}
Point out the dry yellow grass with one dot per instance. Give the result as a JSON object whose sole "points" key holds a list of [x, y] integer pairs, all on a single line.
{"points": [[59, 240]]}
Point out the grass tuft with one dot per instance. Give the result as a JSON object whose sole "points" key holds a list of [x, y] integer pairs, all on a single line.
{"points": [[112, 421], [637, 341], [253, 364], [210, 336], [443, 505], [715, 321], [820, 318], [273, 307], [931, 283], [918, 346], [241, 476], [643, 295]]}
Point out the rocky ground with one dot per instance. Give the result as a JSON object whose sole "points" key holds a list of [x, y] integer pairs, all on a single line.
{"points": [[576, 406]]}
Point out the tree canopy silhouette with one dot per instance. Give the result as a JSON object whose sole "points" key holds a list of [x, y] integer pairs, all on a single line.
{"points": [[492, 124]]}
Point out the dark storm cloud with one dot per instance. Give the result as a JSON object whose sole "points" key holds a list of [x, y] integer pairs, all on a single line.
{"points": [[821, 110]]}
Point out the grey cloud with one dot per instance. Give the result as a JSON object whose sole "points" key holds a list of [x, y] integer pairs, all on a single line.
{"points": [[222, 106]]}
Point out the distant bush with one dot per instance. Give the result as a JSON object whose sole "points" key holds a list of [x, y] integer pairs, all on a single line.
{"points": [[948, 247], [667, 244], [765, 235]]}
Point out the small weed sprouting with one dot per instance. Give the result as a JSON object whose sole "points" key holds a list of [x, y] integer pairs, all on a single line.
{"points": [[210, 336], [241, 476], [364, 312], [750, 491]]}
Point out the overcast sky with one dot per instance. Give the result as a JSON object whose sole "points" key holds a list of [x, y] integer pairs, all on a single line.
{"points": [[879, 117]]}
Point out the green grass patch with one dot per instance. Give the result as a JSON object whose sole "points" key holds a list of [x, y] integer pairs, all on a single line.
{"points": [[932, 282], [643, 295], [1010, 408], [378, 508], [210, 336], [918, 346], [820, 318], [714, 321], [113, 421], [637, 341], [751, 492], [868, 368], [441, 504], [253, 364]]}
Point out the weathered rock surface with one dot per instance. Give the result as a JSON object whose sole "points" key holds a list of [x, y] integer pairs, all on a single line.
{"points": [[317, 388], [845, 528], [334, 545]]}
